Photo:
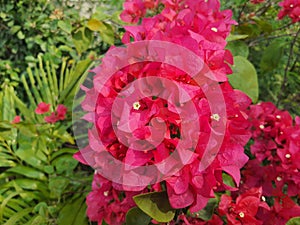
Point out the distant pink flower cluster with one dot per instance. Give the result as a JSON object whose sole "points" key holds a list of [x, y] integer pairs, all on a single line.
{"points": [[244, 209], [257, 1], [290, 8], [276, 166], [104, 202], [59, 114]]}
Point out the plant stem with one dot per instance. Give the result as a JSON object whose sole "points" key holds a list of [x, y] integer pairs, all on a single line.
{"points": [[285, 76]]}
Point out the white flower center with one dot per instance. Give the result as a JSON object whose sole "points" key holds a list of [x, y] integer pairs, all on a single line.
{"points": [[215, 117], [278, 178], [136, 105], [214, 29], [288, 156], [241, 214], [261, 126], [278, 117], [105, 193]]}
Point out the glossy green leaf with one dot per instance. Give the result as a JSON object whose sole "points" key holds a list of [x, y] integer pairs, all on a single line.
{"points": [[244, 77], [156, 205], [136, 216], [294, 221], [228, 180]]}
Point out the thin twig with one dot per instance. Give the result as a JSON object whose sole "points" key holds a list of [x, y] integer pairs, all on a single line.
{"points": [[252, 43], [263, 9], [285, 76], [241, 12], [283, 27]]}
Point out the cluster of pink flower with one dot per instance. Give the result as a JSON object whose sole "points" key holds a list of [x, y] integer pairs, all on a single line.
{"points": [[201, 27], [275, 168], [43, 108], [59, 114], [290, 8]]}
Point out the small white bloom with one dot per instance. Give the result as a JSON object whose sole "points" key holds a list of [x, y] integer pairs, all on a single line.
{"points": [[136, 105]]}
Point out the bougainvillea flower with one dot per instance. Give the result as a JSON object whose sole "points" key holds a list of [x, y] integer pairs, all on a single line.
{"points": [[61, 111], [51, 119], [244, 209], [17, 119], [59, 114], [284, 209], [276, 148], [104, 202], [42, 108], [290, 8], [202, 28]]}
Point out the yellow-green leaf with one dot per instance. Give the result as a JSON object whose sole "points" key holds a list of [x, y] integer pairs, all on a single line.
{"points": [[244, 77], [156, 205]]}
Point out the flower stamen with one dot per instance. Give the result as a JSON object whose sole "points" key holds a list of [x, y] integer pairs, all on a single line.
{"points": [[215, 117], [136, 105], [214, 29]]}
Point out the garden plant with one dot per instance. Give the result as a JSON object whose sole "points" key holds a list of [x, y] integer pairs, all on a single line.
{"points": [[143, 112]]}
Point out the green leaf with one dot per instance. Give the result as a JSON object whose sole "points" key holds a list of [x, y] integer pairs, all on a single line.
{"points": [[73, 213], [20, 35], [136, 216], [42, 209], [272, 56], [95, 25], [227, 179], [28, 172], [294, 221], [57, 185], [15, 29], [38, 220], [155, 205], [65, 26], [208, 211], [28, 155], [263, 25], [82, 39], [18, 216], [64, 151], [234, 37], [65, 163], [244, 77], [238, 48], [107, 34]]}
